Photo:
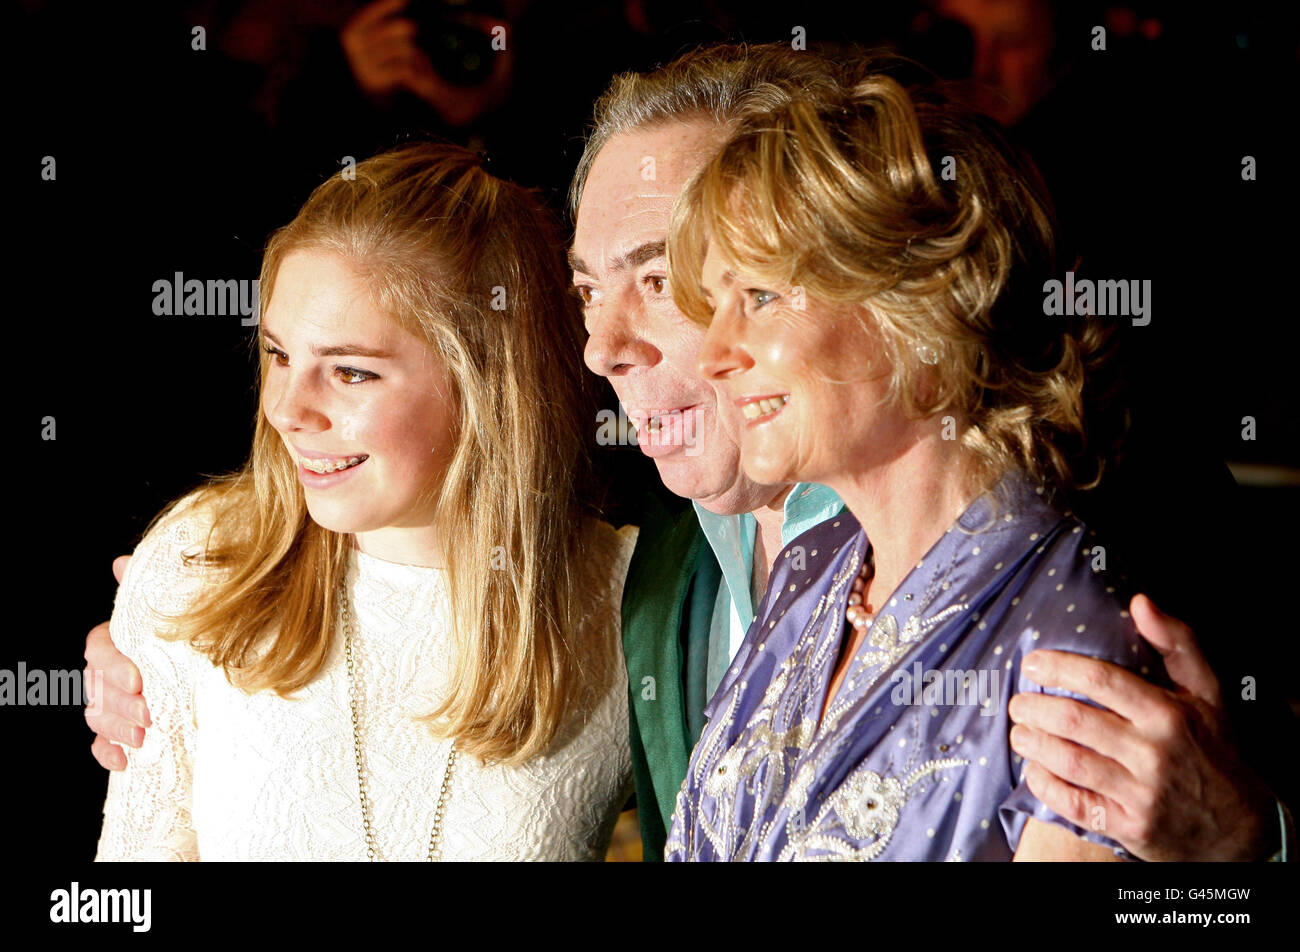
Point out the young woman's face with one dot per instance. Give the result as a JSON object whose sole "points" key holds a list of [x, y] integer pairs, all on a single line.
{"points": [[363, 406]]}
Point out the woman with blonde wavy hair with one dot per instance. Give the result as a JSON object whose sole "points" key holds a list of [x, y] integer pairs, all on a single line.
{"points": [[394, 633], [870, 262]]}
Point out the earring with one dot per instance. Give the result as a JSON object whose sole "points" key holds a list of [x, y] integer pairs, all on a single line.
{"points": [[927, 354]]}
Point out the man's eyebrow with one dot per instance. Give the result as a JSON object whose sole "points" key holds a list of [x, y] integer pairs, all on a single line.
{"points": [[338, 350], [642, 253], [576, 263]]}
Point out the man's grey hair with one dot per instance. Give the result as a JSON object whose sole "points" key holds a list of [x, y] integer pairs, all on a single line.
{"points": [[721, 82]]}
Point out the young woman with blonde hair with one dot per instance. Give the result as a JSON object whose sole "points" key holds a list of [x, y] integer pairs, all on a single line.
{"points": [[394, 633]]}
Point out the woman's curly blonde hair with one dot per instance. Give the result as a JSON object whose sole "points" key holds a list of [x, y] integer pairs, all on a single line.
{"points": [[908, 203]]}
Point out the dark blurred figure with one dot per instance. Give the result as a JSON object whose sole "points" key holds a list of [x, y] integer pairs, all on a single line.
{"points": [[515, 79], [1011, 46], [392, 45]]}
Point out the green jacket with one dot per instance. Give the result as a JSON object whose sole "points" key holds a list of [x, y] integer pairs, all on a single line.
{"points": [[668, 600]]}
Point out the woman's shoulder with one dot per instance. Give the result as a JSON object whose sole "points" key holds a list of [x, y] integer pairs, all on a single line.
{"points": [[606, 553], [166, 571], [180, 533], [596, 724], [597, 575], [1076, 599]]}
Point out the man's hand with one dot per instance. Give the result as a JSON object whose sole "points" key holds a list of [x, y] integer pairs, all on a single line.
{"points": [[385, 58], [1157, 772], [116, 711]]}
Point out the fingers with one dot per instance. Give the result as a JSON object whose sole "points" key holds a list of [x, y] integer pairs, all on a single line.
{"points": [[382, 73], [107, 699], [1174, 640], [110, 756], [1074, 764], [395, 34], [116, 668], [380, 46], [1102, 731], [119, 567], [1134, 831], [387, 75], [1124, 692], [118, 730], [1083, 808], [384, 49]]}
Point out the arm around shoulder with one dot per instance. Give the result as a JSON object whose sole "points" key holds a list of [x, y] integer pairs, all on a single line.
{"points": [[1047, 842], [147, 813]]}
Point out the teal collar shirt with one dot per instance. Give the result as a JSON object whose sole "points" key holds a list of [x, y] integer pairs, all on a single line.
{"points": [[732, 541]]}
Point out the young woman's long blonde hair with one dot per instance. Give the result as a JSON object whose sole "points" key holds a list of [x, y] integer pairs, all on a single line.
{"points": [[473, 265]]}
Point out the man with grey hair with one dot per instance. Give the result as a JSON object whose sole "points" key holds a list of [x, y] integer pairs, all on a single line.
{"points": [[697, 577]]}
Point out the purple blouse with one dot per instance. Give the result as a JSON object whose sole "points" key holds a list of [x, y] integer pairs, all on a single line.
{"points": [[913, 760]]}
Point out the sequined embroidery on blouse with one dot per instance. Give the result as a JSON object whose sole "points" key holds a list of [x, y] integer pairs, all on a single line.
{"points": [[880, 777]]}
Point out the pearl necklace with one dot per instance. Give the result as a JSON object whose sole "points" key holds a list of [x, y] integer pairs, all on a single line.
{"points": [[858, 614]]}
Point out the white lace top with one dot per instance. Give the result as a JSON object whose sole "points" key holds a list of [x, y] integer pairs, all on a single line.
{"points": [[224, 775]]}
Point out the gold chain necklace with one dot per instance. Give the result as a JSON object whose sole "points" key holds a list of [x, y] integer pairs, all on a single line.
{"points": [[439, 811]]}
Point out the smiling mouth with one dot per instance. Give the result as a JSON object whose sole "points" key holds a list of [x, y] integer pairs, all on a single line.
{"points": [[325, 466], [755, 408], [661, 433], [657, 421]]}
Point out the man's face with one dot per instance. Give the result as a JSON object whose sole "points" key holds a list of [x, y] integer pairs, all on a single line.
{"points": [[639, 340], [1013, 51]]}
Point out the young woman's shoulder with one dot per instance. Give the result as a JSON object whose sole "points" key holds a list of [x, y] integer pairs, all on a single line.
{"points": [[165, 573], [601, 570], [606, 554]]}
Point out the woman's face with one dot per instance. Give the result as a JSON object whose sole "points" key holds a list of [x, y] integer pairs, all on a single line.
{"points": [[363, 406], [810, 380]]}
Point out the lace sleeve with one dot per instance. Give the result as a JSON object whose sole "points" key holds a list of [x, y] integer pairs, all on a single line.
{"points": [[147, 813]]}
